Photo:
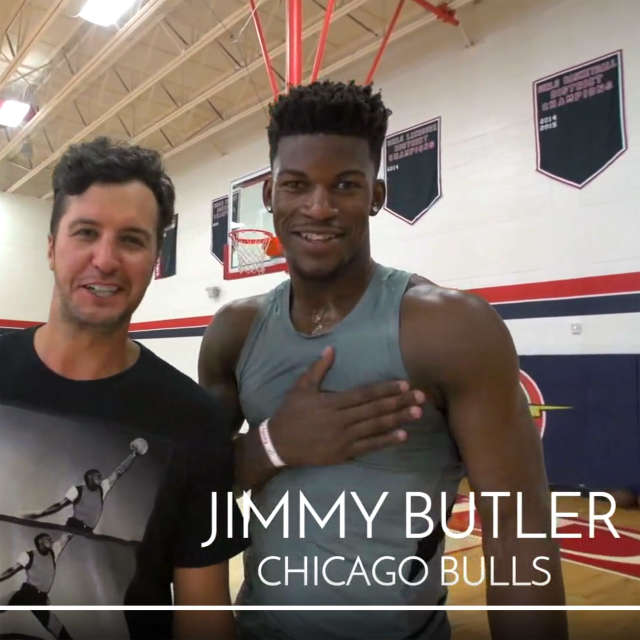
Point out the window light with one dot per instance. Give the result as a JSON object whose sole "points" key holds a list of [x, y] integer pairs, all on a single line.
{"points": [[13, 112], [105, 13]]}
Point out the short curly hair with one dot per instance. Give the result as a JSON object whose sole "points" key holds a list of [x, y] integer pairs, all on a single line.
{"points": [[41, 536], [103, 161], [333, 108]]}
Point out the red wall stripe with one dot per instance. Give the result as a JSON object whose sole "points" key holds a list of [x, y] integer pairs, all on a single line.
{"points": [[569, 288], [574, 287], [17, 324], [176, 323]]}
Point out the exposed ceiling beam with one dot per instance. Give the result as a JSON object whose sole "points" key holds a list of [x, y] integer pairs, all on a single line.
{"points": [[174, 36], [51, 14], [114, 48], [205, 95], [135, 93], [343, 62], [16, 13], [69, 36], [201, 97], [39, 76], [60, 54], [234, 119], [216, 88]]}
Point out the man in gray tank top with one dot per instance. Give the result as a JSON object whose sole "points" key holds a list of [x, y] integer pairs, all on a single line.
{"points": [[87, 499], [39, 565], [331, 370]]}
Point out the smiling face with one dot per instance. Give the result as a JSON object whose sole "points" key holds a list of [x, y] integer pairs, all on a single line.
{"points": [[103, 254], [322, 191]]}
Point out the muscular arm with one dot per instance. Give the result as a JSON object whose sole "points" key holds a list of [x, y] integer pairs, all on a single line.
{"points": [[11, 571], [54, 508], [219, 352], [121, 469], [472, 361], [60, 543], [203, 586]]}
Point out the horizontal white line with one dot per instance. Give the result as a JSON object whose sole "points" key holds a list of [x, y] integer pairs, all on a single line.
{"points": [[186, 326], [323, 608]]}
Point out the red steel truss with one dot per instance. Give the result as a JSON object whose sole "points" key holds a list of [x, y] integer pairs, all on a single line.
{"points": [[294, 39], [263, 47]]}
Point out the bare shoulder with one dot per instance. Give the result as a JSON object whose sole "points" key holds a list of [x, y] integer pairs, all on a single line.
{"points": [[458, 310], [448, 334], [226, 333], [238, 312], [236, 316]]}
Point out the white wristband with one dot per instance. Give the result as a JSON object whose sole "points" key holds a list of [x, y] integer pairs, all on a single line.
{"points": [[269, 449]]}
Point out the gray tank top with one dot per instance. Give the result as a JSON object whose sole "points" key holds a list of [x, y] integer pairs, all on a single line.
{"points": [[41, 571], [367, 350], [88, 507]]}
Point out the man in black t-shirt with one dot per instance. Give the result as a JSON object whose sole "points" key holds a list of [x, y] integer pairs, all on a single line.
{"points": [[76, 392]]}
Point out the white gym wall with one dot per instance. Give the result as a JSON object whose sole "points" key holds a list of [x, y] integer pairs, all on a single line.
{"points": [[25, 292], [499, 221]]}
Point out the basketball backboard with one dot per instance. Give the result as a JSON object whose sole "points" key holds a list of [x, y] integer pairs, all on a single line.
{"points": [[249, 212]]}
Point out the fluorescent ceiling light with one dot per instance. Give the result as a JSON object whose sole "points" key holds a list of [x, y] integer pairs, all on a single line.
{"points": [[13, 112], [105, 12]]}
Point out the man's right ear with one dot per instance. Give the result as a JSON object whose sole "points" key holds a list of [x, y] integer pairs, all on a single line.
{"points": [[267, 191], [50, 242]]}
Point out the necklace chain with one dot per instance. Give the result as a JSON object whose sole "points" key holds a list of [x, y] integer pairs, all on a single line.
{"points": [[317, 320]]}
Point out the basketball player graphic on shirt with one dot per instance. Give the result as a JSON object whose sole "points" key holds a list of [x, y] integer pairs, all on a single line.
{"points": [[88, 499], [39, 565]]}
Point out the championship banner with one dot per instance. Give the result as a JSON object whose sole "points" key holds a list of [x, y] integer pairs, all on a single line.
{"points": [[220, 225], [579, 120], [166, 264], [412, 170]]}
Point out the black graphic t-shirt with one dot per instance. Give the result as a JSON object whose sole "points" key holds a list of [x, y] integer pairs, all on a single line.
{"points": [[106, 487]]}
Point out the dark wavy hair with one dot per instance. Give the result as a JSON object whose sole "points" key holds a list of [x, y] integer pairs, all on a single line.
{"points": [[333, 108], [104, 161]]}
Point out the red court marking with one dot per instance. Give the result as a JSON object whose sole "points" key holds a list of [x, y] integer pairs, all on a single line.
{"points": [[603, 552]]}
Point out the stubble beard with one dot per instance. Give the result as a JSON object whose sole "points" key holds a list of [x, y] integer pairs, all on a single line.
{"points": [[334, 272], [72, 316]]}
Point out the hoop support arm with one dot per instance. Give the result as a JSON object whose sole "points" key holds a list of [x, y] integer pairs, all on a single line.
{"points": [[294, 42], [322, 40], [383, 44], [442, 11], [265, 52]]}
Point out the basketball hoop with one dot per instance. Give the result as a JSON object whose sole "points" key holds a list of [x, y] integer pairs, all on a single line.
{"points": [[251, 249]]}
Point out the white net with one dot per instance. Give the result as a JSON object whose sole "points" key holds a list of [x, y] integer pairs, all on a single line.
{"points": [[250, 247]]}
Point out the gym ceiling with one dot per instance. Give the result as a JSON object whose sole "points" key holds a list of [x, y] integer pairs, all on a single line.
{"points": [[171, 73]]}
